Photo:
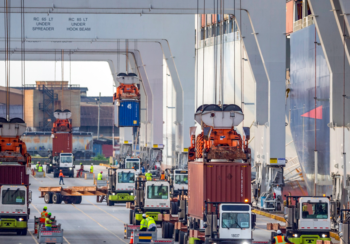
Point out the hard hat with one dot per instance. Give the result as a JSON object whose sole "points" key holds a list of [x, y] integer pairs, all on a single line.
{"points": [[45, 208], [61, 170], [143, 215], [133, 167], [101, 172], [92, 163], [279, 232], [49, 214], [81, 163]]}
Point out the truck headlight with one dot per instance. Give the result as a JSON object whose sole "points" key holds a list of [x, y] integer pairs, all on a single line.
{"points": [[70, 168], [131, 194], [113, 193], [20, 219], [324, 235], [245, 242], [295, 235], [50, 165]]}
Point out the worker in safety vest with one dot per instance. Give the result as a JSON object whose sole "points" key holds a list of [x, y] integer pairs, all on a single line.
{"points": [[43, 215], [99, 176], [40, 168], [143, 224], [280, 239], [48, 222], [92, 168], [148, 175], [37, 166], [151, 224], [61, 177], [162, 176]]}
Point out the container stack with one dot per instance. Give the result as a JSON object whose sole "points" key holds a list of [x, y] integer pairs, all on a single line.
{"points": [[61, 133]]}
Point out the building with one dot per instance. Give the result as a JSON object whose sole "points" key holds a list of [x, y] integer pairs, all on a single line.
{"points": [[16, 103], [47, 96]]}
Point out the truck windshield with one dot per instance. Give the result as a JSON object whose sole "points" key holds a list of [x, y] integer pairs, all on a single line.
{"points": [[13, 197], [132, 165], [126, 177], [157, 192], [312, 210], [181, 179], [235, 220], [65, 159]]}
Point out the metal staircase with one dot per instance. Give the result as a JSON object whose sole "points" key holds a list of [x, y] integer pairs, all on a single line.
{"points": [[47, 107]]}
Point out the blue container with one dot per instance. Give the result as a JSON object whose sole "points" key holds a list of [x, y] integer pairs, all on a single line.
{"points": [[97, 149], [129, 113]]}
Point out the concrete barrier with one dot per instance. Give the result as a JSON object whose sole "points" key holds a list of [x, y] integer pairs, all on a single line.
{"points": [[39, 174]]}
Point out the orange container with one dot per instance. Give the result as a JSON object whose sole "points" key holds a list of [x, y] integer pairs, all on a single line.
{"points": [[289, 17], [203, 20], [214, 18]]}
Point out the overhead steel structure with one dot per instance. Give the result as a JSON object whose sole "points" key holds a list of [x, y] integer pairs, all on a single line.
{"points": [[156, 20]]}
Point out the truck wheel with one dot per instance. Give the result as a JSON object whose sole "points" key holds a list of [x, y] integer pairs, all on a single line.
{"points": [[182, 237], [67, 201], [77, 200], [174, 208], [170, 230], [55, 174], [176, 235], [131, 216], [165, 230], [57, 198], [24, 232], [48, 197], [47, 169]]}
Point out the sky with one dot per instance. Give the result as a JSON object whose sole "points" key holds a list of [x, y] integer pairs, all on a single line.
{"points": [[96, 76]]}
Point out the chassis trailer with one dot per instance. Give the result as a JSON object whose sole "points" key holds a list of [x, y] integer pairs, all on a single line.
{"points": [[74, 194]]}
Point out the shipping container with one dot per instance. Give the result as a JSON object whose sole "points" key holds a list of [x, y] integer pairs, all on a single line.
{"points": [[214, 18], [219, 18], [203, 20], [128, 113], [208, 19], [107, 150], [62, 142], [217, 182], [289, 17], [97, 148], [14, 175]]}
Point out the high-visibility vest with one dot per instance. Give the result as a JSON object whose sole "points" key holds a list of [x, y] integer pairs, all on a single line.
{"points": [[148, 176], [143, 224], [40, 169], [48, 222], [37, 166], [151, 223], [99, 176], [280, 239], [162, 176], [43, 216], [91, 169]]}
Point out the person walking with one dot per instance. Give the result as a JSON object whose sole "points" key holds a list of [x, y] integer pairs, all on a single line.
{"points": [[61, 177]]}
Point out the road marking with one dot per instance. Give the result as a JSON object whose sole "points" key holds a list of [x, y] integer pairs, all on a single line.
{"points": [[106, 212], [99, 224], [49, 177], [35, 178], [35, 208], [66, 240], [34, 238]]}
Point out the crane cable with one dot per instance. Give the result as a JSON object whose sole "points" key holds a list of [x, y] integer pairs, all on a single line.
{"points": [[203, 56], [7, 56], [62, 74], [23, 63]]}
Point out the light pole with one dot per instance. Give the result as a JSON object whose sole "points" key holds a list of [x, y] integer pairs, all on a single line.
{"points": [[98, 116]]}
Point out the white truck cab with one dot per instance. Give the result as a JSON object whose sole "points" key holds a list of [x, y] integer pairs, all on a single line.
{"points": [[125, 180], [180, 181], [314, 213], [66, 160], [236, 221], [133, 163], [13, 200], [157, 195]]}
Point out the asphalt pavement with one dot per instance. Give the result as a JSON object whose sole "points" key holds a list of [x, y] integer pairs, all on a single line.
{"points": [[91, 222]]}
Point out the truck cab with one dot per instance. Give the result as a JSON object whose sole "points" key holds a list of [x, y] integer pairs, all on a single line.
{"points": [[14, 208], [236, 222], [64, 162], [121, 186], [133, 163], [180, 182], [308, 217], [155, 199]]}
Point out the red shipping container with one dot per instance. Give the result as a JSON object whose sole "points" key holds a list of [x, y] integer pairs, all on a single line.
{"points": [[214, 18], [62, 143], [289, 17], [217, 182], [14, 175], [107, 150], [203, 20]]}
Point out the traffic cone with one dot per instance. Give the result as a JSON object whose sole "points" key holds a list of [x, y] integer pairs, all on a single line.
{"points": [[132, 238]]}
